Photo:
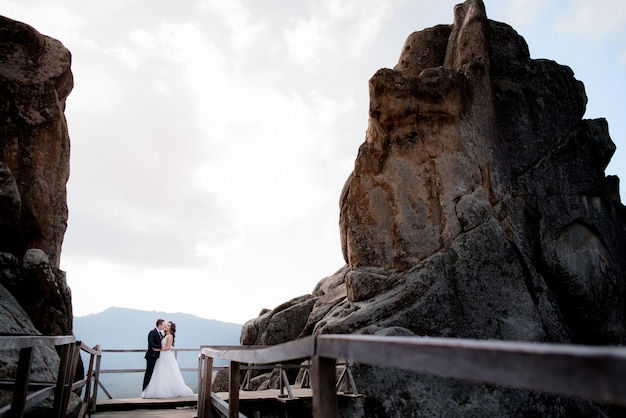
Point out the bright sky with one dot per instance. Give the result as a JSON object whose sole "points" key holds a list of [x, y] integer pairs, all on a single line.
{"points": [[211, 138]]}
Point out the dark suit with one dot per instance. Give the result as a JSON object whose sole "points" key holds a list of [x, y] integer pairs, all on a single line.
{"points": [[154, 341]]}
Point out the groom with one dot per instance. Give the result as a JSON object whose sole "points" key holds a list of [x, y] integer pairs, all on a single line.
{"points": [[154, 341]]}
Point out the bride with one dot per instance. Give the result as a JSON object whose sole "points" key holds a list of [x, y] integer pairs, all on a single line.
{"points": [[167, 381]]}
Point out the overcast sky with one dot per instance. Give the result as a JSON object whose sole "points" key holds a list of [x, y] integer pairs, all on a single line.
{"points": [[211, 138]]}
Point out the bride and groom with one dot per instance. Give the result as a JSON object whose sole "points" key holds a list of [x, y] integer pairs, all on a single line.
{"points": [[163, 378]]}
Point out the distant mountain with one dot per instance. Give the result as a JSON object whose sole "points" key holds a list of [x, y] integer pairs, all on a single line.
{"points": [[124, 328], [128, 328]]}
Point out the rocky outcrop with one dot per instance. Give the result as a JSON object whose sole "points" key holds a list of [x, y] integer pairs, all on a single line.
{"points": [[14, 320], [35, 80], [478, 208]]}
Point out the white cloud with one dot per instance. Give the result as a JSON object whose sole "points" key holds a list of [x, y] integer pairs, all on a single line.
{"points": [[335, 28], [522, 12], [125, 55], [48, 18], [142, 38], [238, 19], [595, 20], [305, 42]]}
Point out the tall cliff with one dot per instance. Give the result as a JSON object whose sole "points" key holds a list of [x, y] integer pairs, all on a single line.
{"points": [[478, 208], [35, 80]]}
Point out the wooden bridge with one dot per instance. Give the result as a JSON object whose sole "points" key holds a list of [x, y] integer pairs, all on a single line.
{"points": [[588, 372]]}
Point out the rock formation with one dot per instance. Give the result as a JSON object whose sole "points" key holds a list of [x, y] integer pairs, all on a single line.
{"points": [[478, 208], [35, 79]]}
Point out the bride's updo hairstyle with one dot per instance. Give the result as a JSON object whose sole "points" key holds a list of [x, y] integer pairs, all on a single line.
{"points": [[172, 331]]}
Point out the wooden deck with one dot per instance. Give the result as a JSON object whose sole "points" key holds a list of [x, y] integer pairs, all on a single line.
{"points": [[154, 413], [184, 407]]}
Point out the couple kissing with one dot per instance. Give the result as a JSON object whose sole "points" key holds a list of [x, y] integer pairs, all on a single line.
{"points": [[163, 378]]}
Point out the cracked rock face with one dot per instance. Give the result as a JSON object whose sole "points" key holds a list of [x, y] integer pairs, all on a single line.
{"points": [[35, 80], [478, 208]]}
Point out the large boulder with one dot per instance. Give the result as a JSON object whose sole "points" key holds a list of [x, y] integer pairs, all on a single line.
{"points": [[478, 208], [35, 80]]}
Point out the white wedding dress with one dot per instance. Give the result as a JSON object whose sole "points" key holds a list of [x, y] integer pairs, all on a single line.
{"points": [[166, 380]]}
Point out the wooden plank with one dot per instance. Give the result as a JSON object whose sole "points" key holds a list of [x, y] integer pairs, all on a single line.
{"points": [[133, 403], [221, 406], [95, 351], [69, 378], [21, 383], [323, 385], [233, 390], [205, 366], [10, 342], [65, 363], [267, 394], [143, 350], [122, 404], [96, 384], [293, 350], [88, 400], [581, 371]]}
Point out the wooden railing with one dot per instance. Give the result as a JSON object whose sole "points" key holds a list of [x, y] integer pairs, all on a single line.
{"points": [[588, 372], [27, 394], [138, 370], [90, 382]]}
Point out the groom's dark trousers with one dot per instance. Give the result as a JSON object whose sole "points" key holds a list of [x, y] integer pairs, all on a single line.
{"points": [[154, 341]]}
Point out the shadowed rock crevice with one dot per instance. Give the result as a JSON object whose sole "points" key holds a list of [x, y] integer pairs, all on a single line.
{"points": [[478, 208]]}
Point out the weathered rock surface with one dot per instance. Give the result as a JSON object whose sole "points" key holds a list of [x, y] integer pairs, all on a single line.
{"points": [[35, 80], [478, 208], [14, 320]]}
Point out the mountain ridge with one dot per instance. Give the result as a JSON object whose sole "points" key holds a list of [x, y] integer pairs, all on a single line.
{"points": [[127, 329], [101, 328]]}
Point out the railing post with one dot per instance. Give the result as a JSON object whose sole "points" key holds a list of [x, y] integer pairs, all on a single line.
{"points": [[323, 385], [87, 399], [233, 390], [96, 380], [95, 377], [199, 405], [205, 370], [21, 382], [74, 357], [281, 382], [65, 365]]}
